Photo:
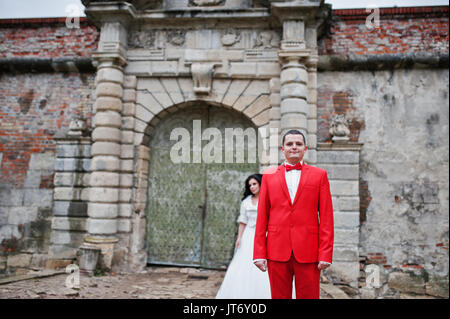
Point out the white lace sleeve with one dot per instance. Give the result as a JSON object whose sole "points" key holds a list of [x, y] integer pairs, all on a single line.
{"points": [[243, 218]]}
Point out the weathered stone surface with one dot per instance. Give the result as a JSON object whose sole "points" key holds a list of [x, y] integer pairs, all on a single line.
{"points": [[103, 194], [338, 157], [408, 282], [107, 103], [109, 179], [72, 164], [20, 260], [38, 197], [344, 188], [70, 208], [42, 161], [108, 118], [105, 148], [101, 226], [73, 150], [346, 236], [347, 272], [21, 215], [105, 163], [293, 75], [69, 223], [437, 286], [341, 171], [294, 90], [348, 203], [108, 134], [103, 210], [109, 75], [290, 105], [109, 89], [346, 219]]}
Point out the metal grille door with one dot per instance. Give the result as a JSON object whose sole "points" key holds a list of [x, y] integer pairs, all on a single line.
{"points": [[193, 207]]}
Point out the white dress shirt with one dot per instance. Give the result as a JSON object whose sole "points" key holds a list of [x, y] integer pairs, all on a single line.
{"points": [[292, 180]]}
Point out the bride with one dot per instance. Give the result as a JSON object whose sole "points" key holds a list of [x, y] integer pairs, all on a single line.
{"points": [[243, 280]]}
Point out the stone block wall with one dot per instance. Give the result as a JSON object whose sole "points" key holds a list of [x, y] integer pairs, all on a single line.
{"points": [[71, 182], [341, 161]]}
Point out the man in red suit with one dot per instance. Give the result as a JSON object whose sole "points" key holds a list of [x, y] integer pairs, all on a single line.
{"points": [[294, 228]]}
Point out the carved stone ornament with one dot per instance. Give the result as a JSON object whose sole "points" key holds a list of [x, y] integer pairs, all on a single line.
{"points": [[205, 3], [230, 37], [266, 40], [339, 128], [141, 39], [177, 37], [202, 77], [77, 127]]}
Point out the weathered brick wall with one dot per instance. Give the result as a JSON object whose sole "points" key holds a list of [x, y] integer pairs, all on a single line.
{"points": [[46, 38], [34, 109], [401, 31]]}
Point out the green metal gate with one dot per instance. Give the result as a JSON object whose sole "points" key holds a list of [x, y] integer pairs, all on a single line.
{"points": [[193, 207]]}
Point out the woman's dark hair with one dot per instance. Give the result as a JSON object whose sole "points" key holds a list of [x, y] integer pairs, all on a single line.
{"points": [[257, 177]]}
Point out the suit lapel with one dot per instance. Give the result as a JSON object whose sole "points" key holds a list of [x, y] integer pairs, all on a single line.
{"points": [[282, 180], [303, 178]]}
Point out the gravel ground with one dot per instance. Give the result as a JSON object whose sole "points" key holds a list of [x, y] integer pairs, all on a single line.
{"points": [[153, 283]]}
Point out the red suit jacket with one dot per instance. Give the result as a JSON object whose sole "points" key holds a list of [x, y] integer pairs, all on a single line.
{"points": [[304, 227]]}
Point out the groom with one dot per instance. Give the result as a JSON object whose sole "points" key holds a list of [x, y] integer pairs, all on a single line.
{"points": [[296, 212]]}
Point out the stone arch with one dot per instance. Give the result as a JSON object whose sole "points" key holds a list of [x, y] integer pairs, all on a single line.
{"points": [[158, 97]]}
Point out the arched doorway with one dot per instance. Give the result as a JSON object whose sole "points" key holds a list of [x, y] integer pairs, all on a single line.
{"points": [[192, 207]]}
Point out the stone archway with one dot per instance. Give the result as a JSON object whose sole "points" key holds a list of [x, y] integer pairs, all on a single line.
{"points": [[193, 204]]}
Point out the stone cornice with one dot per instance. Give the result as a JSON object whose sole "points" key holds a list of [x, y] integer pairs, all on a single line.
{"points": [[325, 63]]}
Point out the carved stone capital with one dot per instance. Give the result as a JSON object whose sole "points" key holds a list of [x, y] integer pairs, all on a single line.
{"points": [[289, 58]]}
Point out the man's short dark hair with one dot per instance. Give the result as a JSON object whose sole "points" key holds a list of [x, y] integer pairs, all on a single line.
{"points": [[293, 132]]}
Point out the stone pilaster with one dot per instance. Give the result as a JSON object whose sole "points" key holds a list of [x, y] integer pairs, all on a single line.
{"points": [[341, 161], [293, 56], [312, 109], [70, 197], [298, 57], [104, 192]]}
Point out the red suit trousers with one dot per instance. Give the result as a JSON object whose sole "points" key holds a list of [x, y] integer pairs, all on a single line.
{"points": [[307, 279]]}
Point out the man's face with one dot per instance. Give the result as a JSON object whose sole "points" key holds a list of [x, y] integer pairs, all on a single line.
{"points": [[294, 148]]}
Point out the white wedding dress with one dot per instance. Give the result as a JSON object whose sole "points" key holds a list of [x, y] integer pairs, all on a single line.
{"points": [[243, 280]]}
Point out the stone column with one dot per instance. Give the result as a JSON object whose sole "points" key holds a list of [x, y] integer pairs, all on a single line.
{"points": [[312, 109], [103, 207], [293, 55]]}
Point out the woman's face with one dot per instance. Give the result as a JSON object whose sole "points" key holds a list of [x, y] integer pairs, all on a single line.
{"points": [[254, 186]]}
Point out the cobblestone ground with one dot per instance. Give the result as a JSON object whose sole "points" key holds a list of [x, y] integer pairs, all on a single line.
{"points": [[153, 283]]}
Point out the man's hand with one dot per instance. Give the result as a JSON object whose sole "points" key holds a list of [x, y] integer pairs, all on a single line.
{"points": [[323, 265], [261, 264]]}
